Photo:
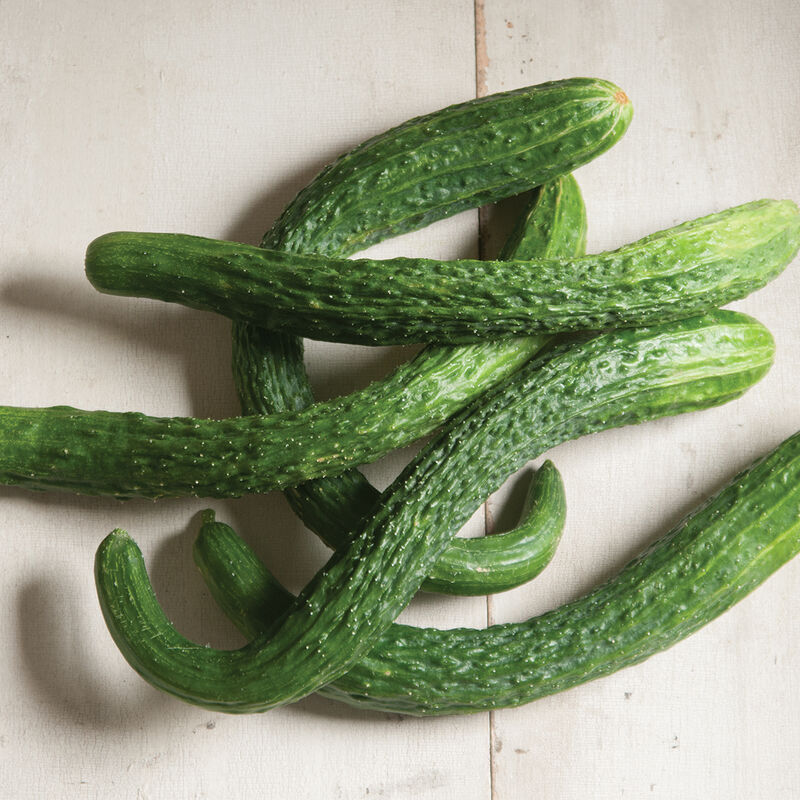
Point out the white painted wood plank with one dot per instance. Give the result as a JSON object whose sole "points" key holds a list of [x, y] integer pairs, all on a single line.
{"points": [[204, 117], [716, 123]]}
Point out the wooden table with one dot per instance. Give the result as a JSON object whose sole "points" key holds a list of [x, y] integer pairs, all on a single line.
{"points": [[207, 117]]}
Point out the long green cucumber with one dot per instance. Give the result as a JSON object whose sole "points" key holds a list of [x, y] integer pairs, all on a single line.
{"points": [[709, 562], [270, 377], [131, 454], [609, 380], [126, 455], [254, 600], [678, 273]]}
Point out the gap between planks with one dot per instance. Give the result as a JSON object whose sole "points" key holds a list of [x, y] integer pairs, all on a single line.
{"points": [[481, 68]]}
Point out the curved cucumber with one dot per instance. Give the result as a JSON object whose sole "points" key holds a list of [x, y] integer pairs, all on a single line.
{"points": [[610, 380], [270, 377], [673, 274], [254, 600], [477, 566], [701, 568], [709, 562], [516, 556], [125, 455]]}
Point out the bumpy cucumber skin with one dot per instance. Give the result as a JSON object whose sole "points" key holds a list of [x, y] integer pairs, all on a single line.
{"points": [[249, 594], [423, 170], [134, 455], [673, 274], [270, 377], [613, 379], [551, 225], [460, 157], [516, 556]]}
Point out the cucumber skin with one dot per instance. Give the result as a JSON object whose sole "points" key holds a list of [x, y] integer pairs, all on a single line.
{"points": [[552, 224], [503, 561], [457, 158], [270, 377], [610, 380], [673, 274], [400, 181]]}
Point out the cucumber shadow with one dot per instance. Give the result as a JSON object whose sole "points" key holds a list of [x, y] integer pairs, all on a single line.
{"points": [[59, 656]]}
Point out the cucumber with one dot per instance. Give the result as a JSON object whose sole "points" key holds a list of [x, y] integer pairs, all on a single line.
{"points": [[270, 377], [673, 274], [709, 562], [701, 568], [253, 599], [127, 455], [580, 387], [713, 559], [505, 560], [134, 455], [477, 566]]}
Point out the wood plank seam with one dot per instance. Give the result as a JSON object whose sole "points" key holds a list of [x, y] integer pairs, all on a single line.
{"points": [[481, 68]]}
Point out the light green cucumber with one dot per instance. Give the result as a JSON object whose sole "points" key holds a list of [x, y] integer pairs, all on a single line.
{"points": [[673, 274], [460, 157]]}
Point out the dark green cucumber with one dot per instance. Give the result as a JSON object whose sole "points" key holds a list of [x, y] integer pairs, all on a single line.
{"points": [[709, 562], [505, 560], [610, 380], [131, 454], [270, 377], [673, 274], [460, 157], [251, 596], [478, 566], [254, 600]]}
